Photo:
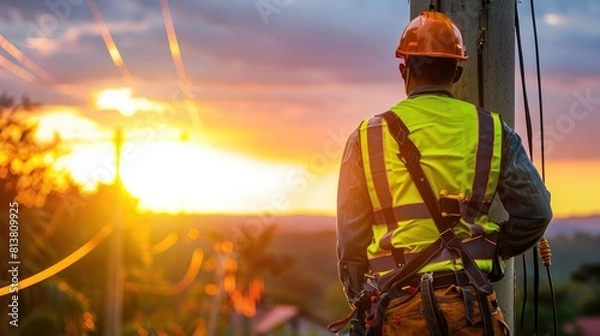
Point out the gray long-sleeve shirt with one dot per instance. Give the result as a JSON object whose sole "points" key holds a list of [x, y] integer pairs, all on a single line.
{"points": [[520, 189]]}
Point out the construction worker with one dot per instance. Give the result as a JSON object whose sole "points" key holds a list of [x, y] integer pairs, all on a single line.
{"points": [[415, 187]]}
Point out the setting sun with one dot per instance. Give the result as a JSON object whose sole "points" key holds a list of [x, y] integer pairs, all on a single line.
{"points": [[186, 176], [183, 176], [122, 100]]}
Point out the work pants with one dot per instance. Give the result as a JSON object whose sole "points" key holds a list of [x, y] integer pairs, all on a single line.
{"points": [[406, 315]]}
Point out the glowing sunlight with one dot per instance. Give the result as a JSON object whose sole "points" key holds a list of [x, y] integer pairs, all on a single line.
{"points": [[173, 176], [122, 100]]}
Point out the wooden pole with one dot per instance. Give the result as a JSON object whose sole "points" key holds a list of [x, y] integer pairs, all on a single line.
{"points": [[114, 281], [497, 71]]}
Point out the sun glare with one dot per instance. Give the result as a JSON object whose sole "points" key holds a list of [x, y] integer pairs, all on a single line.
{"points": [[122, 100], [67, 123], [186, 176], [183, 176], [89, 164], [169, 172]]}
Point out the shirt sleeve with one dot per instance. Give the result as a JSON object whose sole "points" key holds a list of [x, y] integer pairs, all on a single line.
{"points": [[354, 220], [524, 197]]}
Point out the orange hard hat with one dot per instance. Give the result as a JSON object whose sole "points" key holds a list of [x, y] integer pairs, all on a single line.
{"points": [[432, 34]]}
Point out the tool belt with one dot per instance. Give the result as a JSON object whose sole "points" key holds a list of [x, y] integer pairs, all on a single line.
{"points": [[427, 283], [439, 280], [367, 317]]}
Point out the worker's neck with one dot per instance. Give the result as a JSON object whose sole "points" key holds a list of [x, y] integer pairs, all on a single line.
{"points": [[412, 85]]}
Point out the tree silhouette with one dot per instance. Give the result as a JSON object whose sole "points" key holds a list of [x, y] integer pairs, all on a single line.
{"points": [[27, 178], [25, 173], [589, 274]]}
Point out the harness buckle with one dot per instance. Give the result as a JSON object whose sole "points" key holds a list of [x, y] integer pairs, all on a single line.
{"points": [[372, 281], [450, 204], [427, 277]]}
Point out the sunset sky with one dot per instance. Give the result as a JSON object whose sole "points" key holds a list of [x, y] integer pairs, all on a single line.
{"points": [[272, 97]]}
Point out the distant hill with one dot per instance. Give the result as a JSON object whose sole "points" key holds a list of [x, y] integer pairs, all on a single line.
{"points": [[571, 226], [314, 224], [220, 223], [558, 227]]}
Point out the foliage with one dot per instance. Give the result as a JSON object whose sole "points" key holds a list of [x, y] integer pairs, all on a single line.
{"points": [[25, 174], [589, 274], [40, 323]]}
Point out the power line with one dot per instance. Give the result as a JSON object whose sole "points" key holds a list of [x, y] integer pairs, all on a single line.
{"points": [[530, 143], [164, 244], [29, 71], [186, 281], [539, 82], [18, 71], [115, 55], [26, 61], [544, 248], [66, 262], [179, 67]]}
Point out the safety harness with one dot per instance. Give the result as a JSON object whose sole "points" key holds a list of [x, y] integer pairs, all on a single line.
{"points": [[378, 291]]}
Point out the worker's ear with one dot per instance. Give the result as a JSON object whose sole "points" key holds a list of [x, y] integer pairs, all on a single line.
{"points": [[403, 70], [458, 73]]}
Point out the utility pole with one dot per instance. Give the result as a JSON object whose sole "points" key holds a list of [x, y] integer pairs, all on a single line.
{"points": [[114, 281], [218, 297], [492, 23]]}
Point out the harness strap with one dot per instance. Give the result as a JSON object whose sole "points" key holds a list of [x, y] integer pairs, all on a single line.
{"points": [[411, 156], [436, 323], [486, 314], [336, 326], [467, 294], [481, 247], [411, 268]]}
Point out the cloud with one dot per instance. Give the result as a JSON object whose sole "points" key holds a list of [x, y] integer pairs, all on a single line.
{"points": [[553, 19], [223, 44], [568, 35]]}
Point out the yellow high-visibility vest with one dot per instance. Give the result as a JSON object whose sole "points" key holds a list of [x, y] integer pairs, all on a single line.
{"points": [[460, 148]]}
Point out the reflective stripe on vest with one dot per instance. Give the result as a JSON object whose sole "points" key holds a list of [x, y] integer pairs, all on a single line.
{"points": [[461, 148]]}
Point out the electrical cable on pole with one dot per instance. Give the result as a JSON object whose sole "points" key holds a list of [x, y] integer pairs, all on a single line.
{"points": [[530, 145], [544, 248], [539, 83], [546, 254]]}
